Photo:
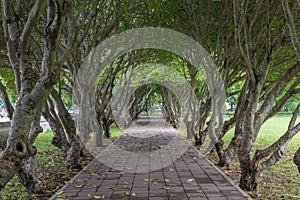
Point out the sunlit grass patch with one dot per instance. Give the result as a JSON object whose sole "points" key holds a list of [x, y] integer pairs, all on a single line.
{"points": [[281, 181], [115, 131]]}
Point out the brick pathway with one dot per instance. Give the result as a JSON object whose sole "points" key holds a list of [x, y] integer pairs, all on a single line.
{"points": [[151, 161]]}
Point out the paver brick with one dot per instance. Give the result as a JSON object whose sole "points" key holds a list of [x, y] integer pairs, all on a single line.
{"points": [[189, 177]]}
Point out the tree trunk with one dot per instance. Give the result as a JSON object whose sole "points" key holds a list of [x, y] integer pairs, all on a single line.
{"points": [[36, 128], [106, 127], [201, 136], [18, 146], [230, 151], [73, 154], [220, 145], [27, 174], [5, 99], [250, 176], [297, 159], [98, 134], [59, 137], [249, 170], [33, 93], [221, 153]]}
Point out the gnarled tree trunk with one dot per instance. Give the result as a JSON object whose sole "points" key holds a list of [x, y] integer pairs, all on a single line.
{"points": [[27, 174], [73, 154], [296, 159], [59, 137], [33, 94]]}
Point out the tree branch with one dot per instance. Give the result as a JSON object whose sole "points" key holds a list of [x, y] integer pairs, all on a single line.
{"points": [[292, 29], [5, 98], [280, 143], [33, 18]]}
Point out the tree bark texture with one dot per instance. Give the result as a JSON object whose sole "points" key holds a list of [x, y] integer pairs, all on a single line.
{"points": [[33, 94], [73, 154]]}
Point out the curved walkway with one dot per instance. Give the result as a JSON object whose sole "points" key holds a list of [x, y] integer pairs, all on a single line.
{"points": [[151, 161]]}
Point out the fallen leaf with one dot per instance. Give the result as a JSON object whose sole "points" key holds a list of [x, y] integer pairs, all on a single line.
{"points": [[79, 186], [165, 187], [171, 170], [155, 181], [189, 180], [96, 196], [113, 188], [99, 197], [126, 193]]}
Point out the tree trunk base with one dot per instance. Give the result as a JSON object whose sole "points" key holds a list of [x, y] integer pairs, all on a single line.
{"points": [[249, 178]]}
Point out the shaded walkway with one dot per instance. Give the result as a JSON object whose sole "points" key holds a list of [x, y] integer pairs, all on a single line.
{"points": [[151, 161]]}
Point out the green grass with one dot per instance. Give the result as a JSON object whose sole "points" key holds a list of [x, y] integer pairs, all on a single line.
{"points": [[272, 130], [115, 131], [52, 171], [281, 181], [51, 161]]}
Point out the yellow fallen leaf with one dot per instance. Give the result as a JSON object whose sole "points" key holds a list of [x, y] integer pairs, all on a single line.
{"points": [[79, 186], [155, 181], [171, 170], [60, 192], [126, 193], [113, 188]]}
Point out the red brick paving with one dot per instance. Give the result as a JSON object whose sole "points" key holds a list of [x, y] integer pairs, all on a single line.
{"points": [[191, 177]]}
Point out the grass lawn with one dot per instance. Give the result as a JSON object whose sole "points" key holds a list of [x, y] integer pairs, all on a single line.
{"points": [[52, 172], [281, 181], [115, 131]]}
